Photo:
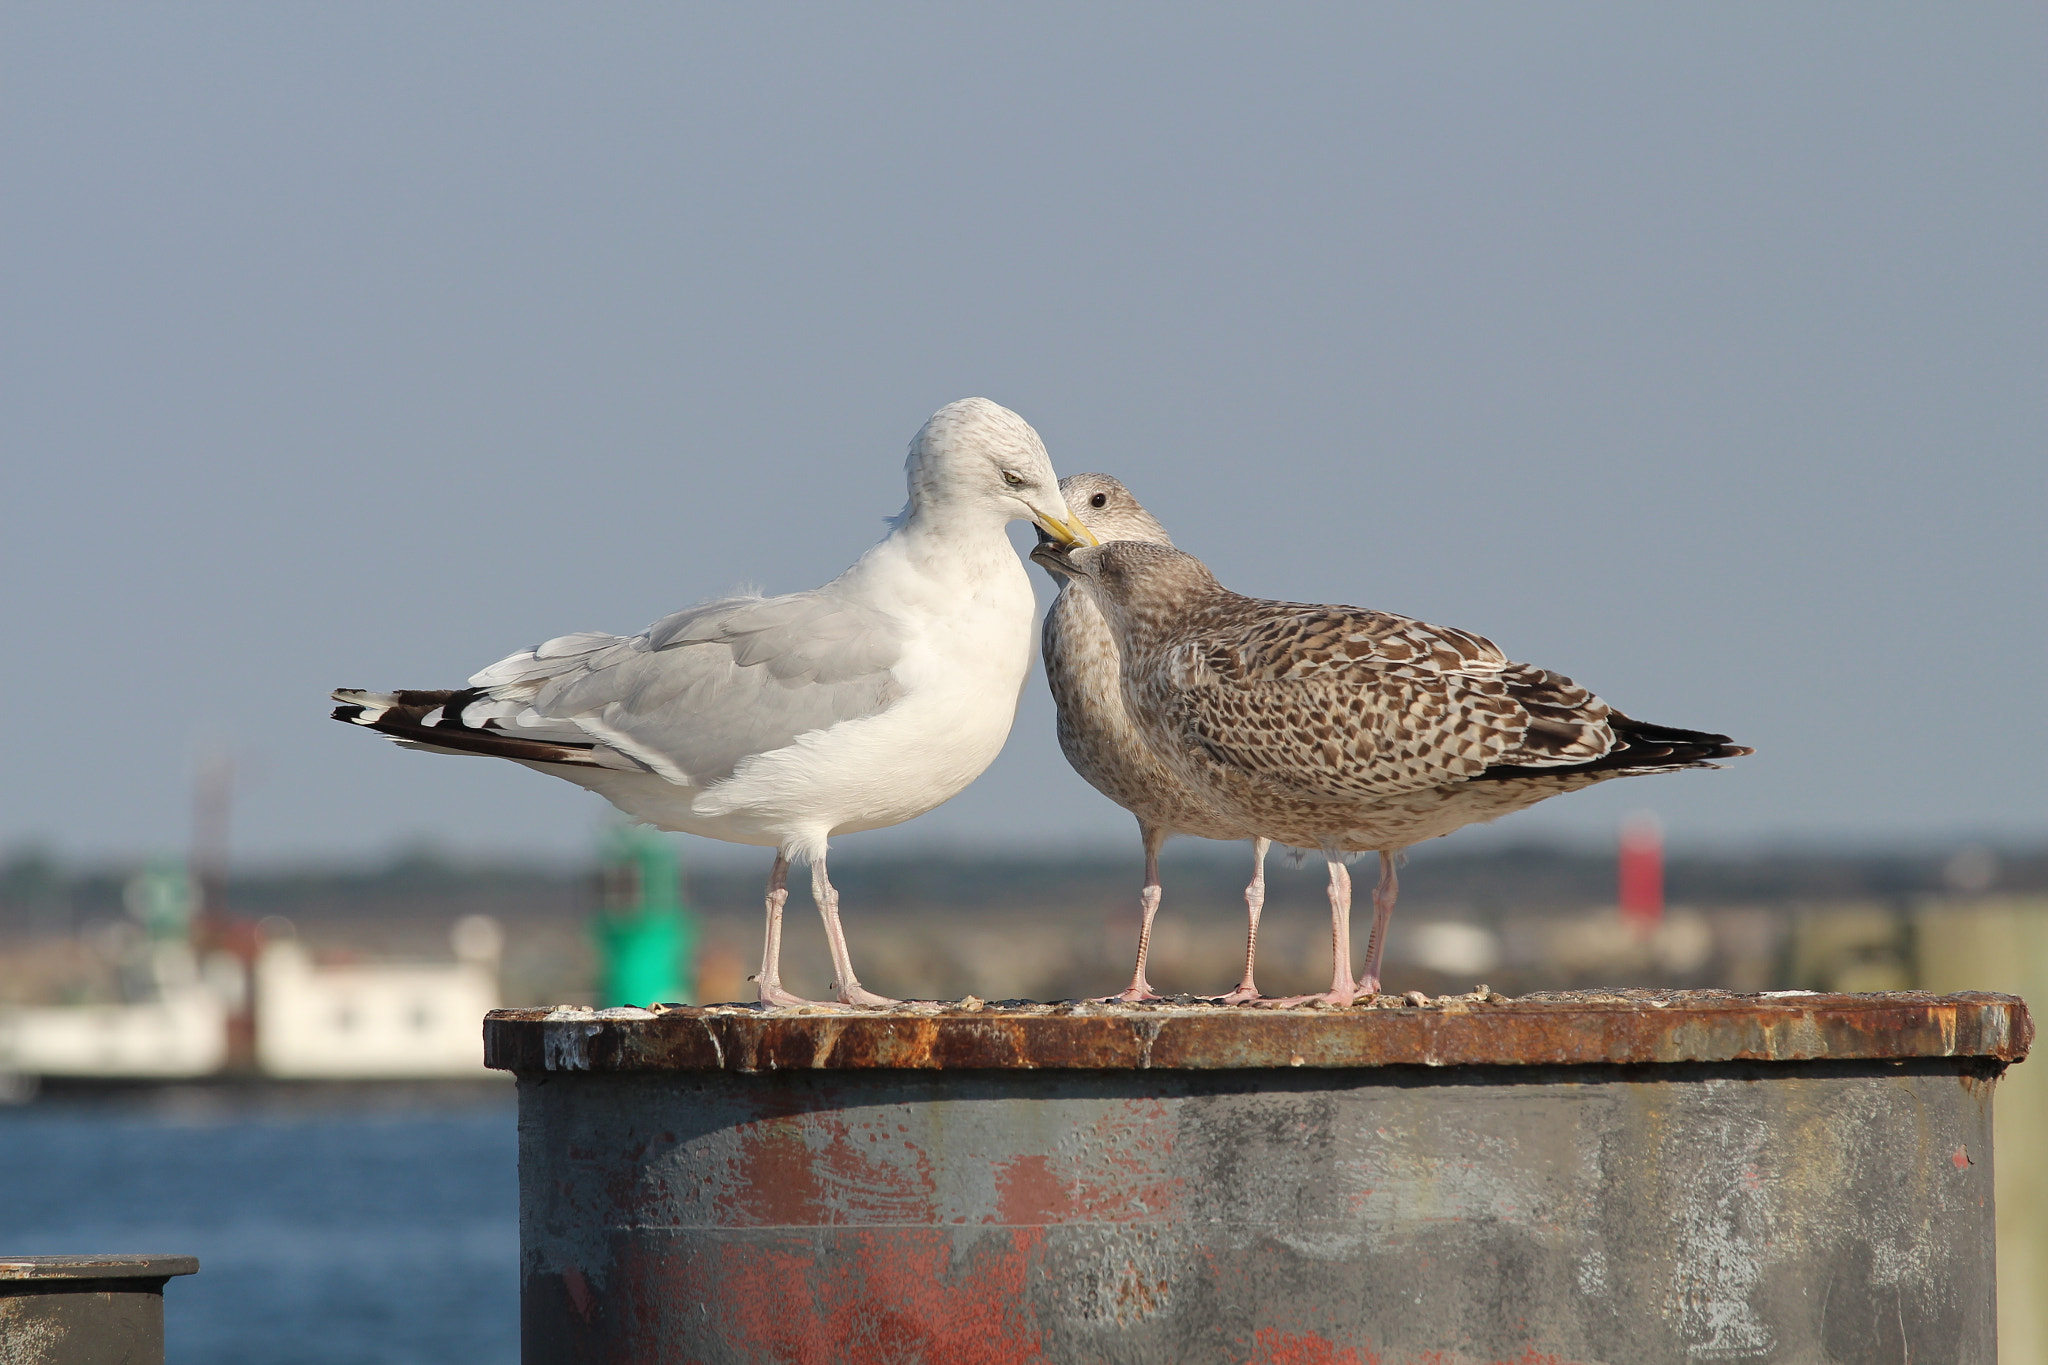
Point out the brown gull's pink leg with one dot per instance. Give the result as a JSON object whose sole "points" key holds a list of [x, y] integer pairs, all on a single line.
{"points": [[1382, 912], [1148, 903], [1342, 989], [1254, 902]]}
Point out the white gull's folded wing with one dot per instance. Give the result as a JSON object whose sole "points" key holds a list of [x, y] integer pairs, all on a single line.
{"points": [[702, 689]]}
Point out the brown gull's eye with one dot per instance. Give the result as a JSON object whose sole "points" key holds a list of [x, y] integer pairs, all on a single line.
{"points": [[1099, 500]]}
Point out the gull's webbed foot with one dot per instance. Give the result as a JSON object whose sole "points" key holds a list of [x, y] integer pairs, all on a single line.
{"points": [[774, 997], [863, 998], [1338, 996]]}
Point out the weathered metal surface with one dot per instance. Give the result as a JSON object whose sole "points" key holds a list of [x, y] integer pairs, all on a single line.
{"points": [[1555, 1030], [85, 1310], [800, 1199]]}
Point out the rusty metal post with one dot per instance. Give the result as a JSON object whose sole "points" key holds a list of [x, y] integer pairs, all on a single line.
{"points": [[1624, 1176], [85, 1310]]}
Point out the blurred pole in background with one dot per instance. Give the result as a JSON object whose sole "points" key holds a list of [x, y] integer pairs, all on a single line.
{"points": [[227, 947], [212, 797], [646, 936], [1641, 891]]}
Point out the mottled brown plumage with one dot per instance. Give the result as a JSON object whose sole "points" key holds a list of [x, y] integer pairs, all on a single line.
{"points": [[1345, 729], [1104, 744]]}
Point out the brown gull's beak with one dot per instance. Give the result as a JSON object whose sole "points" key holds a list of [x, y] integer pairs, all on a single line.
{"points": [[1052, 556]]}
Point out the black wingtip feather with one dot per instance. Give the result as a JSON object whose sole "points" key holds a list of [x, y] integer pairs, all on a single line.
{"points": [[406, 718], [1643, 746]]}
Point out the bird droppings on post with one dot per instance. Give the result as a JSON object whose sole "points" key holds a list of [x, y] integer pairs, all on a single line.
{"points": [[1481, 1027], [927, 1009]]}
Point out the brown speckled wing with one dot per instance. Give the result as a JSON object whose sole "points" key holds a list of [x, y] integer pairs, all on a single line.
{"points": [[1566, 723], [1336, 704]]}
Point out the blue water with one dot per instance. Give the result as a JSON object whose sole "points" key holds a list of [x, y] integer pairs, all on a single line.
{"points": [[361, 1227]]}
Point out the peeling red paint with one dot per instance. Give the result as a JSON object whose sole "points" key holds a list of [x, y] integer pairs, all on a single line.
{"points": [[883, 1297], [1132, 1163], [580, 1297], [1962, 1158], [783, 1176], [1029, 1194], [1120, 1170], [1305, 1348], [777, 1185]]}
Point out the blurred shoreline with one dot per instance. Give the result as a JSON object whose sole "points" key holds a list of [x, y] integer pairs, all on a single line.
{"points": [[1047, 925]]}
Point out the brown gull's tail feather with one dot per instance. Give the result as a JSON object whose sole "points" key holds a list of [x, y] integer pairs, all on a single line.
{"points": [[1643, 748]]}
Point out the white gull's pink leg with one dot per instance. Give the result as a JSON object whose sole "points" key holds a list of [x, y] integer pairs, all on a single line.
{"points": [[843, 979], [770, 978]]}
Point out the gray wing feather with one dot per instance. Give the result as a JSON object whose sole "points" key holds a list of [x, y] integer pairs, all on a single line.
{"points": [[707, 687], [802, 638]]}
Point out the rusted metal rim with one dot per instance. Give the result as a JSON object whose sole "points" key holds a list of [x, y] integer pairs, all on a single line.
{"points": [[1561, 1029], [96, 1267]]}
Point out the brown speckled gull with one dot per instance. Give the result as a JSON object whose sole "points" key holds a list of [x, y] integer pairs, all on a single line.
{"points": [[1104, 744], [1347, 730]]}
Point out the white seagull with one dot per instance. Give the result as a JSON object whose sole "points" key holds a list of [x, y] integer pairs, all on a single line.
{"points": [[782, 721]]}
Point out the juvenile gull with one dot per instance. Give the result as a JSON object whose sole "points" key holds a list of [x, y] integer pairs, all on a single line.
{"points": [[782, 721], [1346, 730], [1105, 746]]}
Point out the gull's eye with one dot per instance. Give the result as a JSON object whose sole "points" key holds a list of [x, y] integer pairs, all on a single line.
{"points": [[1013, 478], [1099, 500]]}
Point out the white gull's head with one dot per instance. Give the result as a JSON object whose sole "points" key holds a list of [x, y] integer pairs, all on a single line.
{"points": [[975, 455]]}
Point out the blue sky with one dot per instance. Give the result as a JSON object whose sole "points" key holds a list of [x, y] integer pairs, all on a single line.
{"points": [[1693, 351]]}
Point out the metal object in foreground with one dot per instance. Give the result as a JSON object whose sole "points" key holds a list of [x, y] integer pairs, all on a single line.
{"points": [[1626, 1176], [85, 1310]]}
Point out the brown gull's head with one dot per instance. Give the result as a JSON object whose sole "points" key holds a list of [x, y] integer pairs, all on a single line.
{"points": [[1137, 584]]}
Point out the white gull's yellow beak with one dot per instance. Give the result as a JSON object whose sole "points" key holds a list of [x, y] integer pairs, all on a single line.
{"points": [[1068, 532]]}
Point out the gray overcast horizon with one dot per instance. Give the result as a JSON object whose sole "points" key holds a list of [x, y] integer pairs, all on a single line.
{"points": [[1693, 351]]}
